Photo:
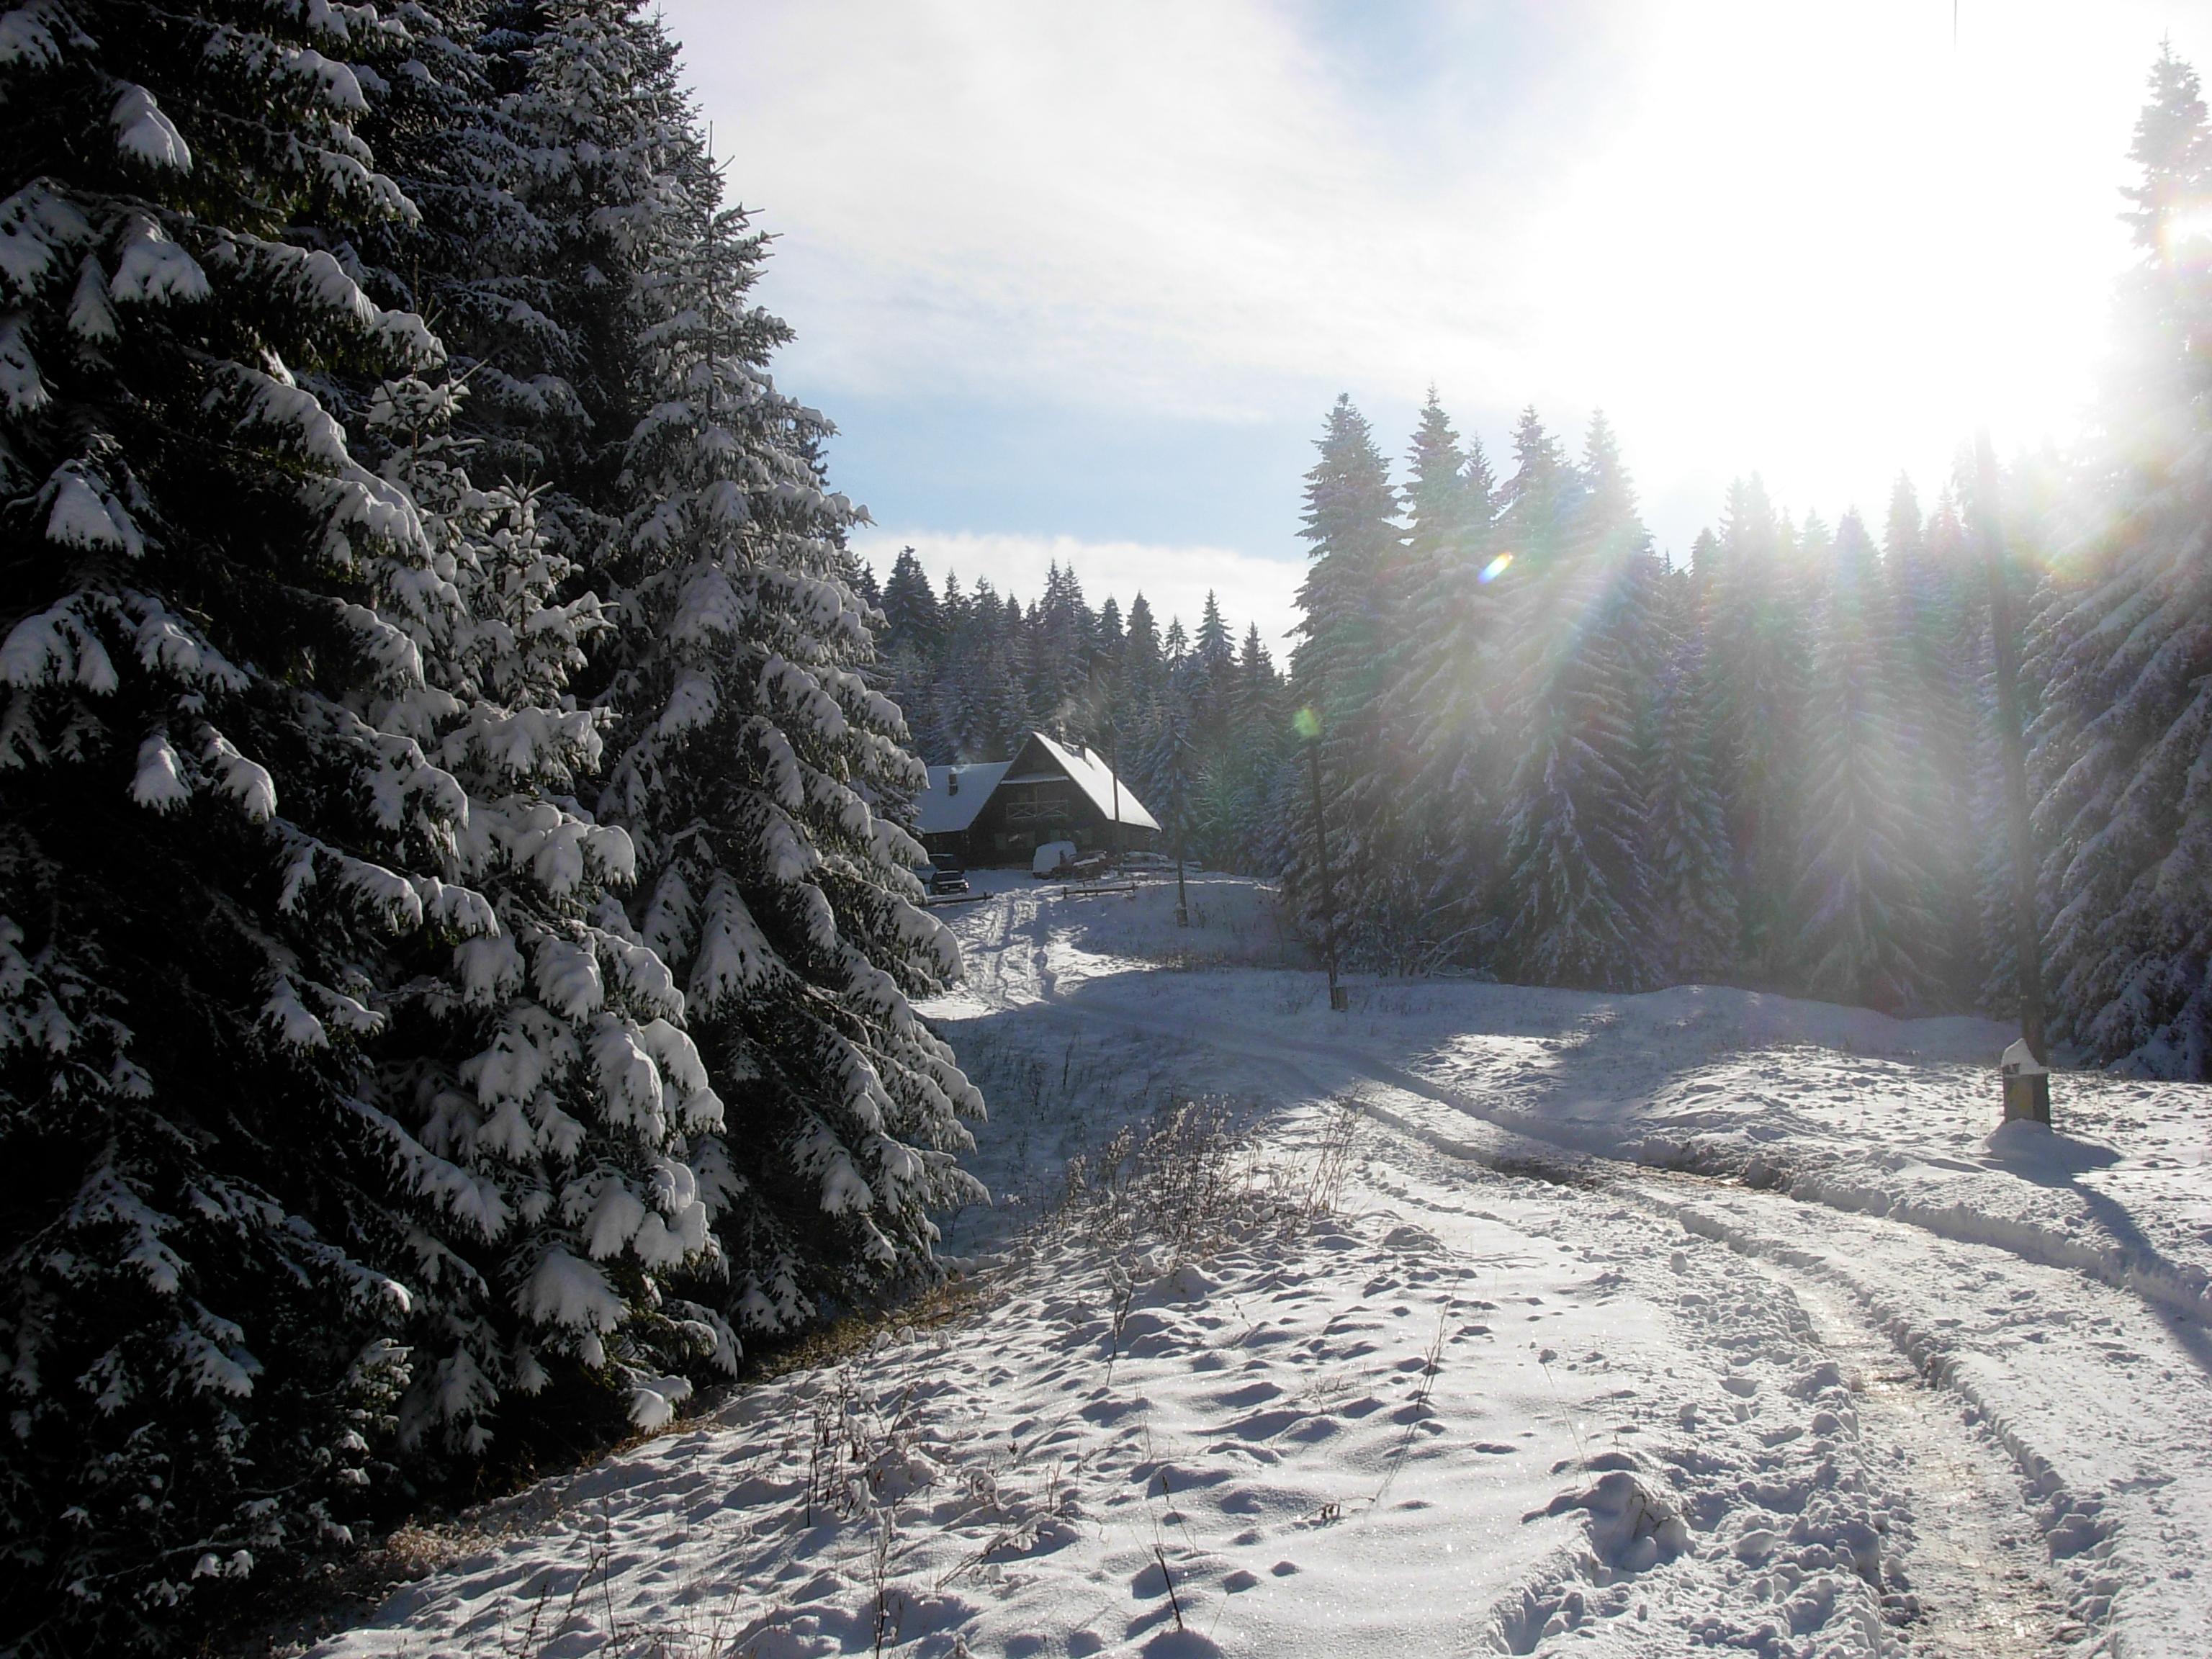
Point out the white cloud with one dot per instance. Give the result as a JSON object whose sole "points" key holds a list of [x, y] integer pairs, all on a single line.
{"points": [[1821, 242], [1174, 581]]}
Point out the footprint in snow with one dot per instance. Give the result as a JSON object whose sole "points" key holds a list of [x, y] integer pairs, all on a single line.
{"points": [[1179, 1644]]}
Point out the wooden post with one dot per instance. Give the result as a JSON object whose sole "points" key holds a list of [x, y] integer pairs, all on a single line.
{"points": [[2028, 1092], [1114, 766], [1182, 894], [1338, 1000]]}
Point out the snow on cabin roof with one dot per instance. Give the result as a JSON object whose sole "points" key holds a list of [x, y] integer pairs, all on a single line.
{"points": [[1095, 779], [945, 811]]}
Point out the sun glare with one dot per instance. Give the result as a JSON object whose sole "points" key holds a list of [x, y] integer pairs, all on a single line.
{"points": [[1495, 568], [2189, 231], [1824, 244]]}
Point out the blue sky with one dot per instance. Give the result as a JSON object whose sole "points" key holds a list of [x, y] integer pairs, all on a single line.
{"points": [[1081, 282]]}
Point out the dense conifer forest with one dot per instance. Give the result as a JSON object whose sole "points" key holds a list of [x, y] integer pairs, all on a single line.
{"points": [[1552, 754], [458, 926]]}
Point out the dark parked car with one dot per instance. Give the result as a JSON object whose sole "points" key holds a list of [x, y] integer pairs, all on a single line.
{"points": [[943, 879]]}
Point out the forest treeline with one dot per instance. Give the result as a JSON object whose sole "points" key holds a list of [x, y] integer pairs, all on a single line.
{"points": [[1551, 755], [1195, 722]]}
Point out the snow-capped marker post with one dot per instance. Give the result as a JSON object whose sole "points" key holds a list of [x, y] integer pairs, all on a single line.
{"points": [[2026, 1084]]}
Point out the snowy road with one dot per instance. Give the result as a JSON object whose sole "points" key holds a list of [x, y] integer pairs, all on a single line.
{"points": [[1644, 1326], [2041, 1405]]}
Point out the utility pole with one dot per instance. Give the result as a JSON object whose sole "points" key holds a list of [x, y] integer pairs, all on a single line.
{"points": [[2027, 1080], [1337, 999]]}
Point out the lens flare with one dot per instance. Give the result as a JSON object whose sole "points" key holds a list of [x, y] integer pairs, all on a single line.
{"points": [[1307, 723], [2189, 230], [1495, 568]]}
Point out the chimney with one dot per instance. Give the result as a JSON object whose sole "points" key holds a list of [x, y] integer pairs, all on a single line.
{"points": [[951, 779]]}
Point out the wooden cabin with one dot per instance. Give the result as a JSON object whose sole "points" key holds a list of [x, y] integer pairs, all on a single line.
{"points": [[999, 812]]}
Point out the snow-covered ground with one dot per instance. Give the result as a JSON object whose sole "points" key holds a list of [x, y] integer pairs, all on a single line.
{"points": [[1502, 1321]]}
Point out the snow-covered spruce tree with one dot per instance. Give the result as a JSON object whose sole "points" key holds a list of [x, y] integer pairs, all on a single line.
{"points": [[1062, 634], [764, 781], [1237, 779], [985, 712], [1931, 598], [1864, 891], [911, 615], [1572, 890], [1111, 633], [567, 159], [1337, 674], [1402, 922], [2126, 805], [1169, 764], [2043, 506], [1139, 684], [549, 1108], [1450, 680], [911, 650], [208, 844], [534, 1084], [1691, 903], [1755, 632]]}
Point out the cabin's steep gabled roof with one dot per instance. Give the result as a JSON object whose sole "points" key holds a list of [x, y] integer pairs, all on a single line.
{"points": [[957, 794], [1095, 779]]}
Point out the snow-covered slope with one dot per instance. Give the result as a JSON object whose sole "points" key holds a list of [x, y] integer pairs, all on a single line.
{"points": [[1639, 1325]]}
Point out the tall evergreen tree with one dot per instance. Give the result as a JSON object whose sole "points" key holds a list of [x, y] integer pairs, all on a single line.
{"points": [[1692, 924], [2127, 805], [1573, 895], [1110, 631], [1867, 931], [1241, 772], [765, 781], [1216, 650], [1930, 598], [912, 620], [1337, 671], [218, 831], [1407, 909], [1453, 677], [1755, 629], [912, 649]]}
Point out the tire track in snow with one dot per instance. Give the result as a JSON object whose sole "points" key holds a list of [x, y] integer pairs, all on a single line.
{"points": [[1975, 1587], [1968, 1610], [1908, 1427], [1962, 1582], [1973, 1591]]}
